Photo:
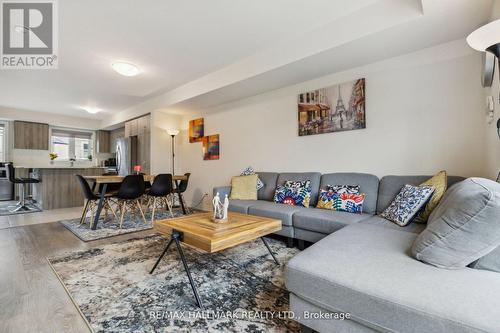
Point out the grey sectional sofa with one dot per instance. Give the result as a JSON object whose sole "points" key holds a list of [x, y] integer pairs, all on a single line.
{"points": [[312, 224], [361, 265]]}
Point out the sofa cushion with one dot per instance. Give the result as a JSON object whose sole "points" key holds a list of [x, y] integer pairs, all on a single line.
{"points": [[244, 187], [269, 180], [464, 227], [368, 185], [390, 186], [415, 228], [407, 204], [367, 271], [440, 183], [489, 262], [274, 210], [314, 177], [241, 206], [325, 221]]}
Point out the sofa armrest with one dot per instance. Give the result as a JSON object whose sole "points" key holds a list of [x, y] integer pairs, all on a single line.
{"points": [[223, 190]]}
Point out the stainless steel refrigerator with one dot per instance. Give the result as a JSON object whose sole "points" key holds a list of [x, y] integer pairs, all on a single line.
{"points": [[126, 155]]}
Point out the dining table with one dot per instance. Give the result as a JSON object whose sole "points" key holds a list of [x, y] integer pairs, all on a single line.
{"points": [[105, 180]]}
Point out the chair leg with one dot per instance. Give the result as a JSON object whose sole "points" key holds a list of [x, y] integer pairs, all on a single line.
{"points": [[140, 209], [85, 209], [108, 204], [154, 208], [169, 205], [122, 208]]}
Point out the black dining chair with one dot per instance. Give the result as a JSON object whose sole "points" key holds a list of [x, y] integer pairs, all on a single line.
{"points": [[129, 195], [92, 200], [22, 184], [182, 188], [159, 193]]}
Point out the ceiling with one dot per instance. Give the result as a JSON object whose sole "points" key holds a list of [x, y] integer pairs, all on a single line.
{"points": [[218, 50]]}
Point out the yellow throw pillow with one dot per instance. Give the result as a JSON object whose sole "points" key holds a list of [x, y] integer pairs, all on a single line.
{"points": [[244, 187], [440, 183]]}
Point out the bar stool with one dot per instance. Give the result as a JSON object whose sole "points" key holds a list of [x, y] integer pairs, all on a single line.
{"points": [[22, 184]]}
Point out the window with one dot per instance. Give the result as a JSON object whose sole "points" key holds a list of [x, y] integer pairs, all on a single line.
{"points": [[71, 144]]}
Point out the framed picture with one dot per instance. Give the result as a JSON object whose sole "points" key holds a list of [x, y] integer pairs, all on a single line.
{"points": [[196, 130], [333, 109], [211, 147]]}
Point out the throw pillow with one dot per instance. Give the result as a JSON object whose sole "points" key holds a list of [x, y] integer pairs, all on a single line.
{"points": [[248, 172], [464, 226], [244, 188], [293, 193], [440, 183], [340, 189], [407, 204], [343, 202]]}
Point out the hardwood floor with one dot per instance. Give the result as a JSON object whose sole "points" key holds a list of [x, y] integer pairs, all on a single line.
{"points": [[31, 297]]}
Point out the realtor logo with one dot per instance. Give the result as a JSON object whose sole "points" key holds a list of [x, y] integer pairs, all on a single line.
{"points": [[29, 34]]}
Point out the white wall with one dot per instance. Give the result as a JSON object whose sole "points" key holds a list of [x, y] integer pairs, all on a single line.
{"points": [[161, 142], [492, 139], [424, 114]]}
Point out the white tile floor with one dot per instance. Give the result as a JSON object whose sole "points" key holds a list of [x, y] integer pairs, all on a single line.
{"points": [[46, 216]]}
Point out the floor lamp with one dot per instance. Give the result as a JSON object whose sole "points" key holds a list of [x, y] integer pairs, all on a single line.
{"points": [[173, 133]]}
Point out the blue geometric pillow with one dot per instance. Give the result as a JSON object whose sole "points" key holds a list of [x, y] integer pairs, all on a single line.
{"points": [[293, 193], [407, 204]]}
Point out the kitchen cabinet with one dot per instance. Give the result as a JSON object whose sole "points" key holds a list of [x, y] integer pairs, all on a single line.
{"points": [[103, 141], [144, 142], [141, 127], [28, 135], [131, 127]]}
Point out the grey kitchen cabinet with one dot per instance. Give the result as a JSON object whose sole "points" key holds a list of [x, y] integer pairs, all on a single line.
{"points": [[103, 141], [29, 135]]}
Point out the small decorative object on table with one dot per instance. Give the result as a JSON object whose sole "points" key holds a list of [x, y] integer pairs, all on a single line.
{"points": [[137, 169], [220, 208], [52, 157], [72, 161]]}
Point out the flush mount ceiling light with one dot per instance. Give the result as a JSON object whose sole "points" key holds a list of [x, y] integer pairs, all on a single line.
{"points": [[92, 110], [125, 68]]}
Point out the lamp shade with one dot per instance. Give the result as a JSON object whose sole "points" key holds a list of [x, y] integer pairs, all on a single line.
{"points": [[485, 37], [173, 132]]}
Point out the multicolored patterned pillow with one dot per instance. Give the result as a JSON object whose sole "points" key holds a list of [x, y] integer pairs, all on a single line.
{"points": [[347, 189], [248, 172], [407, 204], [342, 202], [293, 193]]}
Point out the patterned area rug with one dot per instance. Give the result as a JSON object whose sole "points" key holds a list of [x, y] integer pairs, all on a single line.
{"points": [[109, 226], [7, 206], [114, 291]]}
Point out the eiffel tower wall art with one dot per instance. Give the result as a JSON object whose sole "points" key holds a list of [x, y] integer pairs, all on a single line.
{"points": [[336, 108]]}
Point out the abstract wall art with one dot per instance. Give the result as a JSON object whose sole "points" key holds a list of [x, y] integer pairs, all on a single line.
{"points": [[196, 130], [211, 148]]}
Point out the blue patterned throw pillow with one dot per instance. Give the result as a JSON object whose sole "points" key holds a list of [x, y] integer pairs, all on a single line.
{"points": [[407, 204], [248, 172], [293, 193]]}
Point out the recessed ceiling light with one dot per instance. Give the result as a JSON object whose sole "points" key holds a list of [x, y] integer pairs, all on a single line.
{"points": [[125, 68], [92, 110]]}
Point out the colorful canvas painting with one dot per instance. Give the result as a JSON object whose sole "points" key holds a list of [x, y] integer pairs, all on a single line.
{"points": [[196, 130], [333, 109], [211, 147]]}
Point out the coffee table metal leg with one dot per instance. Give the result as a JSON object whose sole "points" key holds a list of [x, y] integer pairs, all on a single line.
{"points": [[176, 236], [161, 256], [269, 249]]}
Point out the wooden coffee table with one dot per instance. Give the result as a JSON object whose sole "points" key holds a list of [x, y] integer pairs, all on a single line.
{"points": [[198, 231]]}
